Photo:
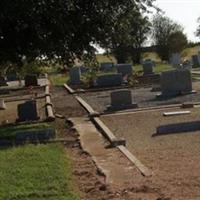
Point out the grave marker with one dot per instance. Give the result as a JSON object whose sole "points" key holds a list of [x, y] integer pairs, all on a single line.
{"points": [[75, 75], [31, 80], [124, 69], [175, 60], [176, 82], [148, 67], [196, 60], [109, 80], [107, 66], [121, 99], [27, 111]]}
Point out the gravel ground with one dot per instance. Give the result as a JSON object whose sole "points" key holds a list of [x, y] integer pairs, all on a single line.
{"points": [[142, 96], [173, 158]]}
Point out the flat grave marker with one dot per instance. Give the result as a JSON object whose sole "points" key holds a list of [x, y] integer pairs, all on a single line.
{"points": [[109, 80]]}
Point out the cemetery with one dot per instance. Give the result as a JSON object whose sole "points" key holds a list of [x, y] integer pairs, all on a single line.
{"points": [[99, 100]]}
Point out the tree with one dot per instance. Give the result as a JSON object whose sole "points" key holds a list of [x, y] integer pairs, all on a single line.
{"points": [[162, 28], [59, 30], [177, 42], [198, 28]]}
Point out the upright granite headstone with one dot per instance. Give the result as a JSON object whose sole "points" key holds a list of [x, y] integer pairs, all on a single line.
{"points": [[176, 82], [12, 77], [121, 99], [106, 66], [31, 80], [27, 111], [3, 81], [196, 60], [75, 75], [175, 60], [108, 80], [124, 69], [148, 67]]}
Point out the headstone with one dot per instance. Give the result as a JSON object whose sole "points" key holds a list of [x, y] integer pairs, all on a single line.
{"points": [[75, 75], [121, 99], [84, 69], [12, 77], [3, 81], [109, 80], [178, 128], [196, 60], [176, 82], [148, 67], [106, 66], [2, 104], [27, 111], [124, 69], [175, 60], [31, 80]]}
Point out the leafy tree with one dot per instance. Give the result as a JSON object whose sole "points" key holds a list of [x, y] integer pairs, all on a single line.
{"points": [[162, 28], [58, 30], [177, 42]]}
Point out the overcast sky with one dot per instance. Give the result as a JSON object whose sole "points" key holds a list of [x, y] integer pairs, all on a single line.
{"points": [[184, 12]]}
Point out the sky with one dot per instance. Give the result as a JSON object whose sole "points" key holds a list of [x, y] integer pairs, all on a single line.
{"points": [[185, 12]]}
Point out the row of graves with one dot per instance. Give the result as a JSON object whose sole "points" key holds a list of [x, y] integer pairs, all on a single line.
{"points": [[23, 104], [160, 124], [177, 62], [112, 75]]}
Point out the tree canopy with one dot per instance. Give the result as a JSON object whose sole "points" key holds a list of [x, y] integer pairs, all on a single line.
{"points": [[61, 30], [165, 31]]}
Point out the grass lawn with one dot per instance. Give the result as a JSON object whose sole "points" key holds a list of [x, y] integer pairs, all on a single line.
{"points": [[11, 131], [58, 79], [35, 173]]}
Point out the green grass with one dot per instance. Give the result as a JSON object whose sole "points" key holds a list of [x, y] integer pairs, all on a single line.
{"points": [[35, 173], [58, 79], [11, 131]]}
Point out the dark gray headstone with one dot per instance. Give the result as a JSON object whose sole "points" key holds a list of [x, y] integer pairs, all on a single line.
{"points": [[196, 60], [31, 80], [121, 99], [106, 66], [124, 69], [148, 67], [176, 82], [3, 81], [12, 77], [84, 69], [75, 75], [179, 127], [27, 111], [175, 60], [109, 80]]}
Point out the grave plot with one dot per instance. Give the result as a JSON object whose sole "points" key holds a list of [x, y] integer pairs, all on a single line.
{"points": [[172, 156], [143, 97], [14, 98]]}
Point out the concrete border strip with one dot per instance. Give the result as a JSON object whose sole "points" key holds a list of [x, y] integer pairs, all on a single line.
{"points": [[143, 169], [49, 105], [69, 89]]}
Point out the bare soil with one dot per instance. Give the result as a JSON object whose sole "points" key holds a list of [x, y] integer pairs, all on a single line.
{"points": [[173, 158], [144, 97], [88, 180]]}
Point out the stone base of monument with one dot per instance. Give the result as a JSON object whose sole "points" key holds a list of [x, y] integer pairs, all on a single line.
{"points": [[122, 107], [178, 128], [172, 94], [35, 136]]}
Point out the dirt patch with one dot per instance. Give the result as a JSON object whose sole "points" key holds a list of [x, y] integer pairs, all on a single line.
{"points": [[173, 158], [89, 181], [65, 104]]}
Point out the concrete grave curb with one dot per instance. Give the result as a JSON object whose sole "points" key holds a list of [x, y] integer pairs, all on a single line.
{"points": [[49, 105]]}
